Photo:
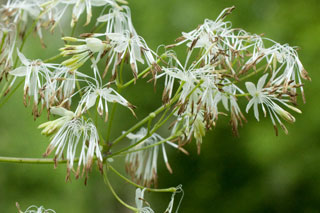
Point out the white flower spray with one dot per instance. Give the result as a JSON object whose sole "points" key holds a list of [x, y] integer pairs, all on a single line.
{"points": [[217, 72]]}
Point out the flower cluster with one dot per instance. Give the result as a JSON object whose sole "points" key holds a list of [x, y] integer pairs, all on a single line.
{"points": [[119, 42], [219, 59], [218, 70]]}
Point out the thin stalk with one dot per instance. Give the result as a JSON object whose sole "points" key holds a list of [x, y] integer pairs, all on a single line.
{"points": [[140, 123], [171, 189], [159, 124], [96, 29], [131, 146], [163, 56], [32, 160], [73, 30], [114, 106], [52, 58], [250, 74], [151, 115], [107, 182], [124, 150], [3, 40]]}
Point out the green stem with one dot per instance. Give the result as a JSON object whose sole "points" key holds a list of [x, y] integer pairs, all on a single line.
{"points": [[171, 189], [151, 115], [143, 121], [52, 58], [159, 124], [114, 106], [32, 160], [107, 182], [251, 74], [96, 29], [112, 114], [73, 30], [3, 40], [125, 151], [163, 56]]}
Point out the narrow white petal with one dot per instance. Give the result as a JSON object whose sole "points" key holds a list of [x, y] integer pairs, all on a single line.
{"points": [[251, 88], [261, 82]]}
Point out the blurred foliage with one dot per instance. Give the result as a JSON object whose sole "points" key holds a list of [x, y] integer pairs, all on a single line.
{"points": [[257, 172]]}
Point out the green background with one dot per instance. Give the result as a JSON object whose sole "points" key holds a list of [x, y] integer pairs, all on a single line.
{"points": [[257, 172]]}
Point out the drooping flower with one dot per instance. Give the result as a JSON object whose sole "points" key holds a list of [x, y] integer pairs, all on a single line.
{"points": [[73, 134], [35, 209], [140, 202], [118, 20], [7, 46], [36, 74], [142, 164], [128, 44], [65, 80], [170, 206], [79, 6]]}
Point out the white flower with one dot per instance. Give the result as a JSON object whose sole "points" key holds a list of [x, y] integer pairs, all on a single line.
{"points": [[7, 46], [65, 83], [105, 94], [129, 44], [51, 127], [35, 209], [80, 5], [185, 77], [118, 20], [74, 133], [36, 74], [142, 164], [170, 206], [193, 125], [81, 53], [15, 11], [140, 201], [266, 97]]}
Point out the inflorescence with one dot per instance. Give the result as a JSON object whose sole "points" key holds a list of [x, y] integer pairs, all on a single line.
{"points": [[219, 69]]}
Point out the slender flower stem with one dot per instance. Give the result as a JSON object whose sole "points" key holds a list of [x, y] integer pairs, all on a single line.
{"points": [[125, 151], [171, 189], [53, 58], [3, 39], [163, 56], [250, 74], [32, 160], [119, 82], [107, 182], [151, 115], [112, 114], [143, 121], [73, 30], [160, 123], [98, 28]]}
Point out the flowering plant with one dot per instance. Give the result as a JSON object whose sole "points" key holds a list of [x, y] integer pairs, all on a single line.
{"points": [[209, 81]]}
